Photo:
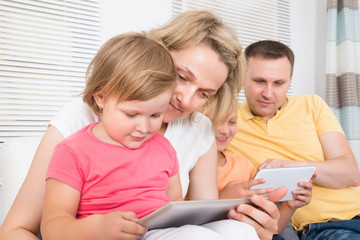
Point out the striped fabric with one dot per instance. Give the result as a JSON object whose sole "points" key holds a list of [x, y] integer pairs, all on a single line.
{"points": [[343, 66]]}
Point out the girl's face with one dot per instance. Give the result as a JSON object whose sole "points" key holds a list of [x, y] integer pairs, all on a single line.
{"points": [[130, 123], [226, 131], [201, 73]]}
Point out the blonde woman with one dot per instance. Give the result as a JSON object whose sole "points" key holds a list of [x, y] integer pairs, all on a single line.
{"points": [[208, 57]]}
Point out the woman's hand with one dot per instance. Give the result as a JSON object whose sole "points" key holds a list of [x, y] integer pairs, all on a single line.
{"points": [[263, 215]]}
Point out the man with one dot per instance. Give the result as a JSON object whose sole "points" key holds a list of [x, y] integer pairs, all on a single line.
{"points": [[280, 131]]}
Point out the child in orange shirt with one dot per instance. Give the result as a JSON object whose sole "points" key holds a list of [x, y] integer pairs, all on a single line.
{"points": [[235, 174]]}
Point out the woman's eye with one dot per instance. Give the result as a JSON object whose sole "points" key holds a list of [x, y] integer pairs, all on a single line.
{"points": [[205, 95]]}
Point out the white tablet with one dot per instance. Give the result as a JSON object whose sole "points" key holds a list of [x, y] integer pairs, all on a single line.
{"points": [[196, 212], [285, 176]]}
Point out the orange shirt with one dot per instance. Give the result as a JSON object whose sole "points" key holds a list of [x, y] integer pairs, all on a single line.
{"points": [[235, 168]]}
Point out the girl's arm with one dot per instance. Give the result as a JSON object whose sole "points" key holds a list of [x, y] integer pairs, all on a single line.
{"points": [[203, 176], [23, 219], [302, 197], [59, 218], [174, 191]]}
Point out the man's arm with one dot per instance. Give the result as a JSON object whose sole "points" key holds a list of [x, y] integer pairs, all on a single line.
{"points": [[339, 169]]}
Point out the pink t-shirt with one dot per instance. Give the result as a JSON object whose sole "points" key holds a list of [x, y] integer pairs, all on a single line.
{"points": [[114, 178]]}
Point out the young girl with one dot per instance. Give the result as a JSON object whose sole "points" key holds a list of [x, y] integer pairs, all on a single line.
{"points": [[119, 169], [236, 171]]}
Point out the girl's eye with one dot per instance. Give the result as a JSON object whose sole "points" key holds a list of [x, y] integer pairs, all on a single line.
{"points": [[130, 115], [155, 115], [181, 77]]}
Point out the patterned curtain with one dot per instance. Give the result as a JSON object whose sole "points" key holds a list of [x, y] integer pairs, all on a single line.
{"points": [[343, 66]]}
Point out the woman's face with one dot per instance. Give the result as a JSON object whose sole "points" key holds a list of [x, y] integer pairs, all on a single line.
{"points": [[201, 73]]}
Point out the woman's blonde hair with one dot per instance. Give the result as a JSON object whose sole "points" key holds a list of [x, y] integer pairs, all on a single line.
{"points": [[200, 26], [129, 66]]}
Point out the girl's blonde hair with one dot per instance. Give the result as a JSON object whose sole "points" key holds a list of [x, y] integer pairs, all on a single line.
{"points": [[200, 26], [224, 109], [129, 66]]}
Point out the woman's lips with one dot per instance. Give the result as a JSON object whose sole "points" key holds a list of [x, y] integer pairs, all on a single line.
{"points": [[174, 108]]}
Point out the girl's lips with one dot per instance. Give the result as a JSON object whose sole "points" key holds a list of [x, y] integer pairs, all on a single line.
{"points": [[137, 139], [221, 139]]}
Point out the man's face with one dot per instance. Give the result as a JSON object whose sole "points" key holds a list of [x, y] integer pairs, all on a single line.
{"points": [[266, 84]]}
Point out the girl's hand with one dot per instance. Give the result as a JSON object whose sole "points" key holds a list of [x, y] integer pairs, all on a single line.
{"points": [[241, 189], [301, 197], [119, 225]]}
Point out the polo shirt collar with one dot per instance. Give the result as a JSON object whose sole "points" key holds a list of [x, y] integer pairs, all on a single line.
{"points": [[247, 114]]}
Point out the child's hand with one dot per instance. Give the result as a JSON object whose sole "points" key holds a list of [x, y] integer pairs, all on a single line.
{"points": [[241, 189], [301, 197], [119, 225]]}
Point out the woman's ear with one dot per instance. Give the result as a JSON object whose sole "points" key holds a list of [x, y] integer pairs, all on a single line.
{"points": [[99, 99]]}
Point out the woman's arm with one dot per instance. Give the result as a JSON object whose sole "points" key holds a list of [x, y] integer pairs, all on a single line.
{"points": [[203, 176], [23, 219]]}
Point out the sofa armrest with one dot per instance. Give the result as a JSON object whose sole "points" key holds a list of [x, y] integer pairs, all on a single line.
{"points": [[16, 155]]}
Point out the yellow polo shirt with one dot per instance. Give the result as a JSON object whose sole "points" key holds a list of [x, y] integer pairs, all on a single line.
{"points": [[293, 134]]}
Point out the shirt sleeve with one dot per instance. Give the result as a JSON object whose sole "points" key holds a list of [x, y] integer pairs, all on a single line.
{"points": [[324, 119], [65, 167]]}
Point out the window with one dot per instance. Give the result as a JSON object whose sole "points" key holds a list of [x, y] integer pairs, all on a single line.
{"points": [[252, 20], [45, 48]]}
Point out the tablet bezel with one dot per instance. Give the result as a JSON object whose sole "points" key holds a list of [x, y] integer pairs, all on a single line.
{"points": [[195, 212]]}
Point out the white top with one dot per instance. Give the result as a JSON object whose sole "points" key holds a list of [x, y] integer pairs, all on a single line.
{"points": [[191, 139]]}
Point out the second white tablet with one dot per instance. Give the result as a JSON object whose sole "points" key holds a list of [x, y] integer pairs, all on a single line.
{"points": [[285, 176]]}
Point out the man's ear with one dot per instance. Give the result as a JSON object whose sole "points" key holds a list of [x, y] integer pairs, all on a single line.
{"points": [[99, 99]]}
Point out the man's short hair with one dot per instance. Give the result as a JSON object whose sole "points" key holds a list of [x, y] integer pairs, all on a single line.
{"points": [[270, 49]]}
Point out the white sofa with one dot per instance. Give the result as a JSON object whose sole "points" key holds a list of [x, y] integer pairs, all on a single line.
{"points": [[17, 153]]}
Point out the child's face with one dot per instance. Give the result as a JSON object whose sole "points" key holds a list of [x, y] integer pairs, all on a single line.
{"points": [[131, 123], [226, 131]]}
